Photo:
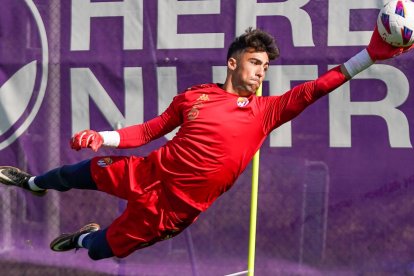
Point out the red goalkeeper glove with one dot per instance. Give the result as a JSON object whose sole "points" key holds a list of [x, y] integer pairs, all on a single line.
{"points": [[378, 49], [86, 139]]}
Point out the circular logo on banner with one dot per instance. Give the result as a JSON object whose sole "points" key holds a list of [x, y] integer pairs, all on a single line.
{"points": [[23, 72]]}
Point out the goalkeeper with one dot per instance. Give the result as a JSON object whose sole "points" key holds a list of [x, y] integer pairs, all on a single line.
{"points": [[222, 126]]}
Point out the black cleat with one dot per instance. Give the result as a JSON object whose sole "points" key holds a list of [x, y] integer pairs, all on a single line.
{"points": [[12, 176], [69, 241]]}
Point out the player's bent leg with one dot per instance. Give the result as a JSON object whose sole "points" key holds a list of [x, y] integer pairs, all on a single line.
{"points": [[69, 241], [64, 178], [12, 176], [152, 217], [97, 245]]}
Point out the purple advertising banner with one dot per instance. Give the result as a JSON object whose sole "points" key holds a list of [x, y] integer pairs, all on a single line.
{"points": [[336, 183]]}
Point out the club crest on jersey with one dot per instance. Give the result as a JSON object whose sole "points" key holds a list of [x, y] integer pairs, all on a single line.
{"points": [[104, 162], [242, 101]]}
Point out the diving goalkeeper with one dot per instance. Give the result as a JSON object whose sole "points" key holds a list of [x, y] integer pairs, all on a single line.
{"points": [[221, 128]]}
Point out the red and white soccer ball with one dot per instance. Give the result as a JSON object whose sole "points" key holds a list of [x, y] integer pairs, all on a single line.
{"points": [[396, 23]]}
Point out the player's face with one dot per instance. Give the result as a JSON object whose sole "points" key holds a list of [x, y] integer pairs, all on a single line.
{"points": [[249, 71]]}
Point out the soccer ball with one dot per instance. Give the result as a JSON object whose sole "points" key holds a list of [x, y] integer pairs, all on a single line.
{"points": [[396, 23]]}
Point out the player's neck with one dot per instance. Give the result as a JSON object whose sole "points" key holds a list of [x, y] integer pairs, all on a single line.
{"points": [[230, 88]]}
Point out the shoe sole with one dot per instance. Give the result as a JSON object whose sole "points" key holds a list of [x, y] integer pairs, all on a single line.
{"points": [[4, 179], [61, 243]]}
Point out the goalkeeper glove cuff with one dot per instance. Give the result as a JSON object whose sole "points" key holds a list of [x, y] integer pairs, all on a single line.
{"points": [[110, 138], [358, 63]]}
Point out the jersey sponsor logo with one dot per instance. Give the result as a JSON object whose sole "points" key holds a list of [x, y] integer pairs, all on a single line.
{"points": [[23, 76], [203, 98], [242, 102], [105, 162]]}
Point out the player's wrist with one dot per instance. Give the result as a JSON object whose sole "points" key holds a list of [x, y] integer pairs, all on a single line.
{"points": [[110, 138], [358, 63]]}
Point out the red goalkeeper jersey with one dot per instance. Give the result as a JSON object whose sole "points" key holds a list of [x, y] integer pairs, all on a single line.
{"points": [[219, 134]]}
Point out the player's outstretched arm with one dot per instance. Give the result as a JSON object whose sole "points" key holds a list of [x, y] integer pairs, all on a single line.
{"points": [[131, 136], [301, 96], [377, 49]]}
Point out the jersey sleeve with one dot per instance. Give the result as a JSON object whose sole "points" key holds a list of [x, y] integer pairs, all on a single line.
{"points": [[283, 108], [141, 134]]}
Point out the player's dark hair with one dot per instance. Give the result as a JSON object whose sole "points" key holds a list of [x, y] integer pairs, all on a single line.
{"points": [[256, 39]]}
